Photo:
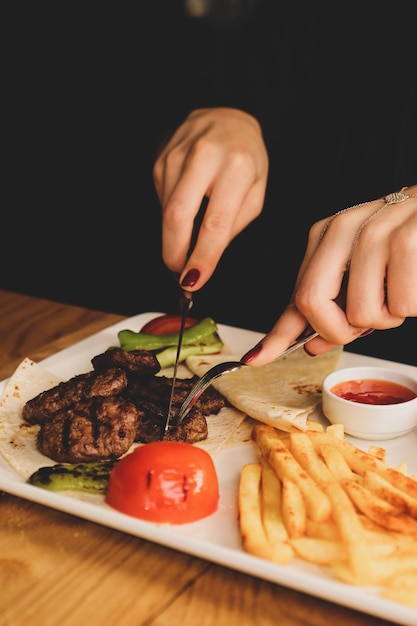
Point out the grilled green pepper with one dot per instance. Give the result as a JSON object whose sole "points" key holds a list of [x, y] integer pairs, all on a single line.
{"points": [[87, 477], [167, 357], [129, 340], [202, 338]]}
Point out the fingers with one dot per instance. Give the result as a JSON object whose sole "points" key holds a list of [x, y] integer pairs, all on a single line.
{"points": [[218, 154], [226, 216], [384, 269], [377, 243]]}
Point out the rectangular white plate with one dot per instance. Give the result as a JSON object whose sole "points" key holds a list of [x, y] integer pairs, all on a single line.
{"points": [[217, 538]]}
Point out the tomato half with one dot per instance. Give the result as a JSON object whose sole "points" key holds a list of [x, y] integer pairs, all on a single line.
{"points": [[165, 481], [166, 325]]}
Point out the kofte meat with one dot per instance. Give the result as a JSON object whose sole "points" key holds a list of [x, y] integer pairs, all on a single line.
{"points": [[100, 414], [91, 430], [140, 362], [152, 420], [156, 391], [64, 395]]}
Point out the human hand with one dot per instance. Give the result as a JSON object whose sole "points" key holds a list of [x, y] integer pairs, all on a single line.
{"points": [[377, 242], [219, 154]]}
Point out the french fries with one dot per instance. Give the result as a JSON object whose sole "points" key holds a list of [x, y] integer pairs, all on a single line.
{"points": [[315, 496], [253, 533], [275, 452], [261, 525]]}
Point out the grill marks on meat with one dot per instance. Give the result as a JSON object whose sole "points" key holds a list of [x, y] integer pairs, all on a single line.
{"points": [[91, 430], [151, 426], [43, 406], [152, 400], [157, 391], [98, 415]]}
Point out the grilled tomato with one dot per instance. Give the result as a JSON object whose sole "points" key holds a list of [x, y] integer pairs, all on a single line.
{"points": [[165, 481], [166, 325]]}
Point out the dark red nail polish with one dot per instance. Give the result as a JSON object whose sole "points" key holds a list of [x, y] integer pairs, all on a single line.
{"points": [[307, 351], [253, 352], [367, 332], [190, 278]]}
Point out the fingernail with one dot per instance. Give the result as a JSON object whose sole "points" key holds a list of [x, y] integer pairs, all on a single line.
{"points": [[307, 351], [190, 278], [366, 332], [253, 352]]}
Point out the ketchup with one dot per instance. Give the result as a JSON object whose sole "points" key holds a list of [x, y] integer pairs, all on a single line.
{"points": [[369, 391]]}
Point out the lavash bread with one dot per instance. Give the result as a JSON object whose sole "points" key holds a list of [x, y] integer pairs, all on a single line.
{"points": [[17, 437], [282, 393]]}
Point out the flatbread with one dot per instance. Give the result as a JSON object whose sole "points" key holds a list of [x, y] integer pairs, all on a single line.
{"points": [[282, 393], [18, 438]]}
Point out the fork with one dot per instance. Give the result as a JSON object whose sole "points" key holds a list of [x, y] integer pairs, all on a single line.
{"points": [[231, 366], [201, 385], [225, 368]]}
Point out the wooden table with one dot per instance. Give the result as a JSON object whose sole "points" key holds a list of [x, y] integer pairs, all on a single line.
{"points": [[57, 569]]}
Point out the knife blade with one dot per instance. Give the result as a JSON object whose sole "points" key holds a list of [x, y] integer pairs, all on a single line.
{"points": [[186, 302]]}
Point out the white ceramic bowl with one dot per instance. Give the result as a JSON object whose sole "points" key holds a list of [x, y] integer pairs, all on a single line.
{"points": [[370, 421]]}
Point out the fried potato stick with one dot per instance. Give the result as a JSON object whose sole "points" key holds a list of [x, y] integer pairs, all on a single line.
{"points": [[322, 530], [254, 539], [273, 523], [378, 570], [336, 430], [293, 509], [381, 512], [336, 462], [305, 453], [389, 493], [361, 462], [378, 452], [285, 465], [351, 531], [319, 551]]}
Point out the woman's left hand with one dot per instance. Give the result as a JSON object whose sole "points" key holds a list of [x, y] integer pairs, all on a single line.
{"points": [[377, 242]]}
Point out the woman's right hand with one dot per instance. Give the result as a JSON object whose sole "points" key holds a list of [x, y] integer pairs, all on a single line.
{"points": [[218, 154]]}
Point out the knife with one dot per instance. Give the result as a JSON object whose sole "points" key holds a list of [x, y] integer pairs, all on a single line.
{"points": [[186, 302]]}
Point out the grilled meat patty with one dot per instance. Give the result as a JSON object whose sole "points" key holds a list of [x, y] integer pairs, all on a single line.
{"points": [[140, 362], [152, 398], [98, 415], [90, 430], [92, 384]]}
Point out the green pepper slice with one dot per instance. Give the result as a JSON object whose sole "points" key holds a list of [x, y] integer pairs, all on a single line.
{"points": [[129, 340]]}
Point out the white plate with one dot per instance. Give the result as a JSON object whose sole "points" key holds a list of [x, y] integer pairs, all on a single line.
{"points": [[216, 538]]}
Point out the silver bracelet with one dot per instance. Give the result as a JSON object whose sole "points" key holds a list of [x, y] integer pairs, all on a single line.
{"points": [[392, 198]]}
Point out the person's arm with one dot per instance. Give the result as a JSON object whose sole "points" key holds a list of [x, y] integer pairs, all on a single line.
{"points": [[374, 245]]}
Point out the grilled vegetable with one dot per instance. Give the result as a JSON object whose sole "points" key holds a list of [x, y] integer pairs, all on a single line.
{"points": [[87, 477], [211, 345], [166, 324], [165, 481], [201, 338]]}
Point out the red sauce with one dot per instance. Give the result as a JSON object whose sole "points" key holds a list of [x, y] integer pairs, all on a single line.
{"points": [[369, 391]]}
